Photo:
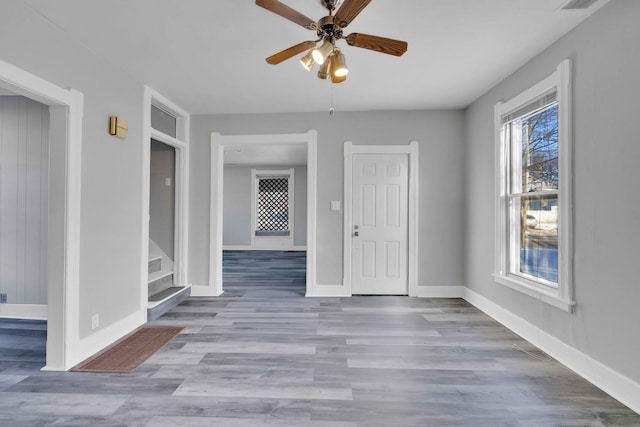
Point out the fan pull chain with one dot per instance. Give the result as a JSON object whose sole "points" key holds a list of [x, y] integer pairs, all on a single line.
{"points": [[331, 109]]}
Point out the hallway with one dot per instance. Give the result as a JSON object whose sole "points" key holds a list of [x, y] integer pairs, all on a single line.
{"points": [[244, 271], [261, 354]]}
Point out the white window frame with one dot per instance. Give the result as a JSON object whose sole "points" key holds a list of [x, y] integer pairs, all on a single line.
{"points": [[562, 295], [283, 242]]}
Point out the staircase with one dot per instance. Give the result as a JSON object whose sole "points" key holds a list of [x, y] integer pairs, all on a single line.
{"points": [[163, 295]]}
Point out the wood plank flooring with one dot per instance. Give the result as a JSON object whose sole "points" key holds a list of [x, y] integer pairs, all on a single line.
{"points": [[22, 344], [262, 354]]}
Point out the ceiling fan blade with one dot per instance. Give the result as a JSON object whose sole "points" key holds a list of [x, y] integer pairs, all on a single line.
{"points": [[349, 10], [379, 44], [288, 53], [286, 12]]}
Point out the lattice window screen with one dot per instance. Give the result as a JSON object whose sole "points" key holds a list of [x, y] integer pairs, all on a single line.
{"points": [[273, 204]]}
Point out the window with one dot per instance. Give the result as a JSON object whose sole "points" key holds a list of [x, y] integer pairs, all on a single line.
{"points": [[272, 208], [273, 205], [163, 121], [533, 190]]}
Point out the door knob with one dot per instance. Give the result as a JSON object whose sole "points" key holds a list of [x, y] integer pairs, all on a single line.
{"points": [[356, 234]]}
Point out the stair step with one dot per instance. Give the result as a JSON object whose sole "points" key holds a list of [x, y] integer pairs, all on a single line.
{"points": [[166, 293], [176, 295], [155, 265], [160, 284]]}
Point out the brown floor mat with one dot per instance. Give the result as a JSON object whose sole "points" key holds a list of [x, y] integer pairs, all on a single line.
{"points": [[130, 352]]}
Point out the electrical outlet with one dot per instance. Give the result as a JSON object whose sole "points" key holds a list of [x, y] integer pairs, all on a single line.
{"points": [[3, 298], [95, 321]]}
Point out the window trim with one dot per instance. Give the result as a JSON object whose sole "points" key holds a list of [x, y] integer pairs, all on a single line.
{"points": [[272, 241], [562, 296]]}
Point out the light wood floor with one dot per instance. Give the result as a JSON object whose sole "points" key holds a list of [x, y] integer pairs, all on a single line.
{"points": [[262, 354]]}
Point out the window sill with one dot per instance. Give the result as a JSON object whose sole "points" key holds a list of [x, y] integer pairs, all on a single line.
{"points": [[269, 233], [536, 291]]}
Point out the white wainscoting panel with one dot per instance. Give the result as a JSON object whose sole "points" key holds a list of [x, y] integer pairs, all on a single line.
{"points": [[24, 188]]}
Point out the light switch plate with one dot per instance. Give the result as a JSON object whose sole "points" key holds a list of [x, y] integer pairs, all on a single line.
{"points": [[335, 205], [95, 321]]}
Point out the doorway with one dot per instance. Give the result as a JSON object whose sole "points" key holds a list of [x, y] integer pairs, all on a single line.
{"points": [[381, 219], [24, 201], [220, 144], [380, 224], [161, 221], [65, 108], [165, 209]]}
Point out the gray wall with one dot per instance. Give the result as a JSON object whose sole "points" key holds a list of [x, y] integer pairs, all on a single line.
{"points": [[237, 205], [111, 182], [440, 134], [300, 210], [24, 196], [162, 199], [604, 51]]}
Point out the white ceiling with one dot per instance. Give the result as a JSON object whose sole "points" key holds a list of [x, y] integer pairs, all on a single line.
{"points": [[208, 55]]}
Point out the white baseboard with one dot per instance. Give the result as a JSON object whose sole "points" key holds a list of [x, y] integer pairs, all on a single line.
{"points": [[99, 340], [256, 248], [328, 291], [423, 291], [24, 311], [204, 291], [613, 383], [440, 291]]}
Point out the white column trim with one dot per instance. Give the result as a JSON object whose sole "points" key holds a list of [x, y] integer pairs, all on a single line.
{"points": [[347, 208]]}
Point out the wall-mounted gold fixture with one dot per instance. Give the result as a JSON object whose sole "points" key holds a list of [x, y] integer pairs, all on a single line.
{"points": [[118, 127]]}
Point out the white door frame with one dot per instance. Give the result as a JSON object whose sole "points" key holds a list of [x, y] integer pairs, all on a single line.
{"points": [[63, 289], [181, 182], [218, 144], [412, 151]]}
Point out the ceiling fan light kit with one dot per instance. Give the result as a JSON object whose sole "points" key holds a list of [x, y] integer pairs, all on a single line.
{"points": [[307, 61], [338, 79], [339, 64], [323, 72], [329, 30], [321, 53]]}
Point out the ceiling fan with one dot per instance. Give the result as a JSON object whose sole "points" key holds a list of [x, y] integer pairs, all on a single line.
{"points": [[329, 30]]}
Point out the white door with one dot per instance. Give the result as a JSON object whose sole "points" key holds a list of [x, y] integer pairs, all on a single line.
{"points": [[380, 218]]}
